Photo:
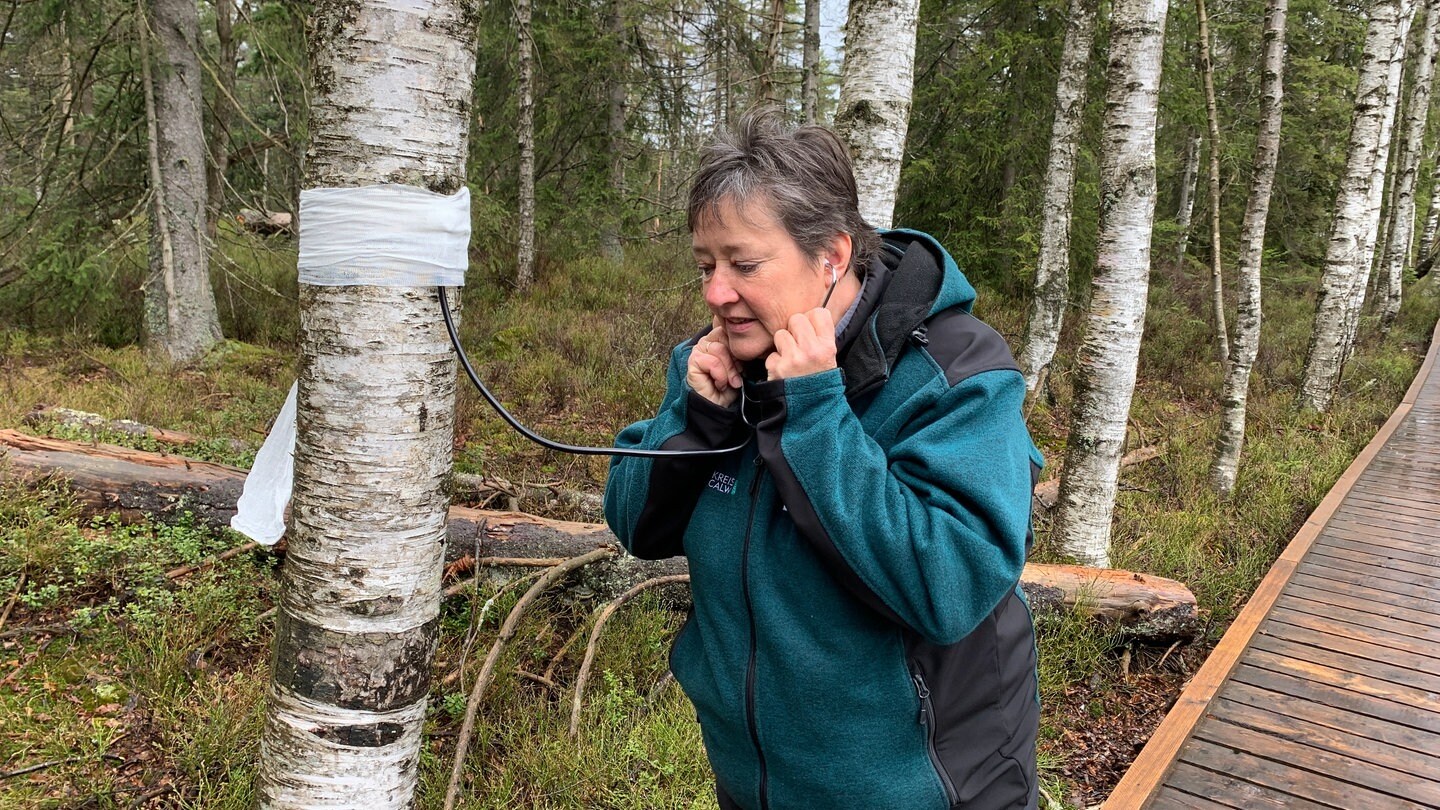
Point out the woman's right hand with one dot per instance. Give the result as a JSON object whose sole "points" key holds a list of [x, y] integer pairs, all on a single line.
{"points": [[712, 371]]}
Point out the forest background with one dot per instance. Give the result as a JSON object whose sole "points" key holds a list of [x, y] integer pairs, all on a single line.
{"points": [[131, 689]]}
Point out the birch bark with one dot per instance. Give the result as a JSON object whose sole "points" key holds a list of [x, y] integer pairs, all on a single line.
{"points": [[181, 321], [1346, 255], [1185, 212], [360, 589], [1052, 267], [1110, 349], [875, 92], [1252, 252], [1212, 116], [1432, 217], [525, 260], [1402, 216], [810, 64]]}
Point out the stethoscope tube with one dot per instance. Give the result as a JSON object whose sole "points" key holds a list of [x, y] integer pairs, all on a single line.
{"points": [[626, 452]]}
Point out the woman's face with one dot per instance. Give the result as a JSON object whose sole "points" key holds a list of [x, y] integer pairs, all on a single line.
{"points": [[754, 275]]}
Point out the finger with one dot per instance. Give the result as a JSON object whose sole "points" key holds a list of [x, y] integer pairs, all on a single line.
{"points": [[801, 328], [727, 361], [772, 366], [821, 320], [785, 344]]}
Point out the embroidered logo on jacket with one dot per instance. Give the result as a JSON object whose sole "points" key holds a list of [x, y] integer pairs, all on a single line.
{"points": [[722, 483]]}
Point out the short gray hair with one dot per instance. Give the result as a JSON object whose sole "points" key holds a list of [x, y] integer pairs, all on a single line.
{"points": [[804, 174]]}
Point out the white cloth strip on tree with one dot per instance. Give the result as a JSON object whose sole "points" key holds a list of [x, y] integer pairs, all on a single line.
{"points": [[385, 236]]}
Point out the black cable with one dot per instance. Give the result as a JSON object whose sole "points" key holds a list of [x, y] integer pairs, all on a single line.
{"points": [[632, 452]]}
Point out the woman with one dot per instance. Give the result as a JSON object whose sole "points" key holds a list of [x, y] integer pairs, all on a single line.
{"points": [[857, 638]]}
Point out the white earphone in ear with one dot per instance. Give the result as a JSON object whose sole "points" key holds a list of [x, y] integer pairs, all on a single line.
{"points": [[834, 273]]}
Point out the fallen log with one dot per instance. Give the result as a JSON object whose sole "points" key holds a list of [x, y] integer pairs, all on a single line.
{"points": [[97, 425], [132, 483]]}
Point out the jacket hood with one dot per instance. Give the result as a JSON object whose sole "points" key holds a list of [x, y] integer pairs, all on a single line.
{"points": [[911, 279]]}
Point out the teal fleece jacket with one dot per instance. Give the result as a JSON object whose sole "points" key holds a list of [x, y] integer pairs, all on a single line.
{"points": [[857, 638]]}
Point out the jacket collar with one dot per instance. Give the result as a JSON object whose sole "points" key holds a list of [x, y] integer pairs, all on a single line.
{"points": [[900, 290]]}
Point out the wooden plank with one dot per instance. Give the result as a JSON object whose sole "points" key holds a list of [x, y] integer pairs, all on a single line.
{"points": [[1354, 664], [1169, 798], [1373, 542], [1393, 536], [1362, 604], [1399, 566], [1340, 742], [1376, 571], [1339, 626], [1320, 579], [1408, 591], [1320, 673], [1224, 756], [1426, 534], [1340, 698], [1389, 504], [1402, 475], [1231, 791], [1414, 744], [1423, 636], [1155, 760]]}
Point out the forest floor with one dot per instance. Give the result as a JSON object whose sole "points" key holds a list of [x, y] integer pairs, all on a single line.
{"points": [[121, 688]]}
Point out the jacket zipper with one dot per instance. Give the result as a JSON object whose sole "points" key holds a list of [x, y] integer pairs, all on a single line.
{"points": [[750, 612], [927, 719]]}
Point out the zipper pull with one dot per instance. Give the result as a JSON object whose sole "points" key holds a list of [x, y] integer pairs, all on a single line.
{"points": [[755, 480], [923, 692], [921, 336]]}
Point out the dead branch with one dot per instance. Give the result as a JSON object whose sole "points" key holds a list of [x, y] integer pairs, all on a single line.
{"points": [[507, 632], [480, 620], [10, 605], [187, 570], [1048, 493], [605, 614]]}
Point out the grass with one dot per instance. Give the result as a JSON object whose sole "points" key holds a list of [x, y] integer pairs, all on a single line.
{"points": [[153, 688]]}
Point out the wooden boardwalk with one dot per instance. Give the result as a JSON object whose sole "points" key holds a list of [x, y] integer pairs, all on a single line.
{"points": [[1325, 692]]}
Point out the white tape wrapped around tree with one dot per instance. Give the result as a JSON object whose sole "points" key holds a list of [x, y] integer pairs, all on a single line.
{"points": [[386, 235]]}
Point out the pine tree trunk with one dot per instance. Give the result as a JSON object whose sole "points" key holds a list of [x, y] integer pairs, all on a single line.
{"points": [[525, 260], [360, 589], [875, 92], [181, 322], [611, 243], [1185, 212], [1252, 252], [222, 116], [1347, 255], [810, 84], [1402, 218], [1052, 267], [1110, 350], [1212, 115]]}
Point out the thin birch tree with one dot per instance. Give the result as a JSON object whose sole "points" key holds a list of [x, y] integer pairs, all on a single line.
{"points": [[181, 321], [1246, 346], [876, 84], [1110, 350], [360, 590], [1052, 267], [810, 64], [1353, 228], [1185, 211], [1409, 151], [525, 134], [1212, 116], [611, 243]]}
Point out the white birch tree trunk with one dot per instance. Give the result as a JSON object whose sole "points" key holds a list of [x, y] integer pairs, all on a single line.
{"points": [[1246, 345], [1402, 217], [1184, 215], [360, 589], [181, 321], [875, 93], [525, 260], [1052, 266], [1110, 349], [1212, 115], [1432, 217], [1352, 230], [810, 64]]}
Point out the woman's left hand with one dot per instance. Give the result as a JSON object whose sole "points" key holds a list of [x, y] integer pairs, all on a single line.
{"points": [[806, 347]]}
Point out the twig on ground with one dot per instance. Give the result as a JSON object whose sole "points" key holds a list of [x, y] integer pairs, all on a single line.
{"points": [[480, 620], [187, 570], [51, 629], [10, 605], [507, 632], [564, 648], [605, 614], [540, 679], [502, 562], [1161, 663], [40, 766], [655, 692]]}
